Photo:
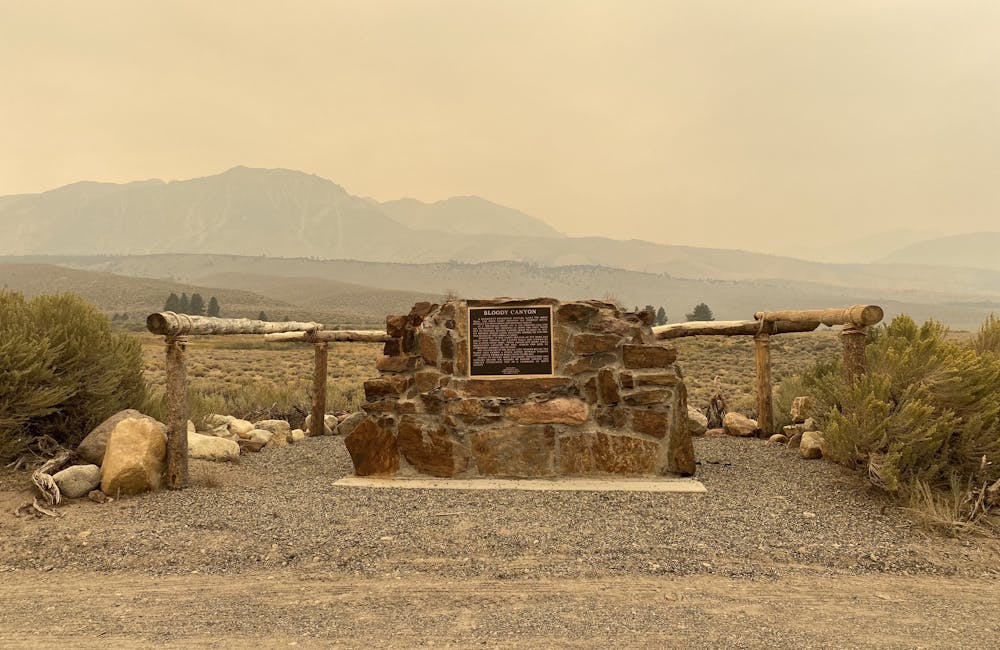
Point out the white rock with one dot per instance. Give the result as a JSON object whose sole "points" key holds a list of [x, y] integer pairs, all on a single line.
{"points": [[212, 448], [740, 425], [696, 421], [191, 427], [213, 420], [802, 408], [273, 425], [298, 434], [242, 428], [77, 481], [255, 440], [812, 445]]}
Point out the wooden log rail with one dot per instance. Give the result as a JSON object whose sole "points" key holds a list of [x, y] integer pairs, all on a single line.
{"points": [[726, 328], [175, 329], [855, 319], [321, 343]]}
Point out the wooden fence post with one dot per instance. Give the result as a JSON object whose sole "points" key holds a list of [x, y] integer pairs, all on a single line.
{"points": [[177, 413], [319, 389], [762, 357], [853, 339]]}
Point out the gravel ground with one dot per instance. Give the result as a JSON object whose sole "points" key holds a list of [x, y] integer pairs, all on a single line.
{"points": [[767, 513]]}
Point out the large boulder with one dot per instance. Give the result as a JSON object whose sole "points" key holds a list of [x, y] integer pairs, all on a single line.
{"points": [[77, 481], [739, 425], [213, 420], [255, 440], [274, 426], [212, 448], [812, 445], [697, 422], [135, 458], [241, 428], [91, 449]]}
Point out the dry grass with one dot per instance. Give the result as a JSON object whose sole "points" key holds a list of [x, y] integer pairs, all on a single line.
{"points": [[725, 364], [243, 376]]}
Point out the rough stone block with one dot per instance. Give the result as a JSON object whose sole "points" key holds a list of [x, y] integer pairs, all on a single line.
{"points": [[589, 343], [399, 364], [647, 396], [651, 422], [395, 325], [514, 450], [611, 416], [430, 448], [514, 387], [739, 425], [386, 386], [656, 379], [372, 446], [607, 387], [428, 347], [648, 356], [448, 346], [575, 312], [589, 390], [392, 348], [596, 452], [562, 410], [426, 380]]}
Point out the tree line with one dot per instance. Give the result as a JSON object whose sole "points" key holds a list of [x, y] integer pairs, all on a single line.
{"points": [[700, 312], [195, 305]]}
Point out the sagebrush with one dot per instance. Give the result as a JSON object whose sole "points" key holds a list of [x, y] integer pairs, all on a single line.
{"points": [[62, 370], [923, 422]]}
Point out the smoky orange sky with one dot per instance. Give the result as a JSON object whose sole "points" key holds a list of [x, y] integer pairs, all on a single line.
{"points": [[759, 125]]}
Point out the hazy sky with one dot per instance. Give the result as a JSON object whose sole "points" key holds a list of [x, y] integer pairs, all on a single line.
{"points": [[758, 125]]}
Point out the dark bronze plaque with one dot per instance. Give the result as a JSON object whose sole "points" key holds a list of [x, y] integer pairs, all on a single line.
{"points": [[510, 341]]}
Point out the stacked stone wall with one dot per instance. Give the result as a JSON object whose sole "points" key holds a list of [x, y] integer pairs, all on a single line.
{"points": [[615, 403]]}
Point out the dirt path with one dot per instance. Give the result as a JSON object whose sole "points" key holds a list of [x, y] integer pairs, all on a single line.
{"points": [[283, 609]]}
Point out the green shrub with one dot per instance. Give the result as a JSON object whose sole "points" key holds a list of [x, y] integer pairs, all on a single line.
{"points": [[987, 339], [922, 421], [62, 370]]}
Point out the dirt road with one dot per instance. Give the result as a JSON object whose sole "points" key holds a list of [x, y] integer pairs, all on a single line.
{"points": [[289, 609]]}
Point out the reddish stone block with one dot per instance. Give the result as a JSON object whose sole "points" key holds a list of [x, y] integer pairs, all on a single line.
{"points": [[589, 343], [514, 387], [648, 356], [607, 387], [430, 448], [372, 446], [399, 364], [652, 423], [514, 450], [597, 452]]}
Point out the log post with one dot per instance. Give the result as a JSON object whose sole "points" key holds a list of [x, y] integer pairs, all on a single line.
{"points": [[853, 339], [177, 413], [318, 427], [762, 357]]}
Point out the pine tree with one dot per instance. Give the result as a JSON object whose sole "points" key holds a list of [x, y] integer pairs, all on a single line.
{"points": [[185, 305], [173, 303], [661, 316], [701, 312], [197, 306], [213, 307], [261, 316]]}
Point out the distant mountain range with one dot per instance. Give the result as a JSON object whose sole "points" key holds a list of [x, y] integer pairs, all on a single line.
{"points": [[279, 234]]}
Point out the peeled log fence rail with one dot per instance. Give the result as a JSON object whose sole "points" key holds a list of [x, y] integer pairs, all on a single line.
{"points": [[175, 328], [855, 319]]}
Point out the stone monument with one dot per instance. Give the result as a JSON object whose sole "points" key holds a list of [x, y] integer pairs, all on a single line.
{"points": [[523, 388]]}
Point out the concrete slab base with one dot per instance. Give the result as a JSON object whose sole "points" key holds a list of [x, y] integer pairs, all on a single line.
{"points": [[660, 484]]}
